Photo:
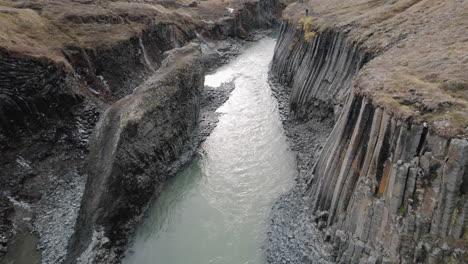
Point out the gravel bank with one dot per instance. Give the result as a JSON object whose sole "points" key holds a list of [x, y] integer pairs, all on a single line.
{"points": [[294, 235]]}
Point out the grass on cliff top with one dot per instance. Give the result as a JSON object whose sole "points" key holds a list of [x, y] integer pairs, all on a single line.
{"points": [[359, 15], [109, 24], [307, 27], [419, 66], [25, 32], [44, 29], [443, 105]]}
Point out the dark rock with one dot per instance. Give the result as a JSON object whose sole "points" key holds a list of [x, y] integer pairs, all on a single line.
{"points": [[382, 179], [130, 155]]}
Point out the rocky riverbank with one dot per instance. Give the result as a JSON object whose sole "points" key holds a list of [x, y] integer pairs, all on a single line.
{"points": [[293, 235]]}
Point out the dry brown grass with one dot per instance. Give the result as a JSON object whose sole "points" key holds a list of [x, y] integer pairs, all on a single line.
{"points": [[43, 28], [421, 67], [24, 31]]}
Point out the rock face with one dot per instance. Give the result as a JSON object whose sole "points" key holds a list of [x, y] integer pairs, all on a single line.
{"points": [[391, 188], [319, 71], [387, 189], [43, 142], [116, 71], [255, 15], [134, 144]]}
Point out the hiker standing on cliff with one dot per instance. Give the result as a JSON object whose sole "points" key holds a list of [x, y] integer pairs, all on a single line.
{"points": [[307, 12]]}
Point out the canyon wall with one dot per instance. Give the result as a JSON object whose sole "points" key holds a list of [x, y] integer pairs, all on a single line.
{"points": [[319, 71], [118, 69], [386, 188], [135, 143], [31, 89], [392, 187], [256, 15]]}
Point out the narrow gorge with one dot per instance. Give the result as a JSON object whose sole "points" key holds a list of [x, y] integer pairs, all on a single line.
{"points": [[83, 88], [233, 131]]}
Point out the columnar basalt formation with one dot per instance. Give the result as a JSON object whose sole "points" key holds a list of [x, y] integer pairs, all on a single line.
{"points": [[390, 185], [117, 70], [319, 72], [31, 89], [134, 145]]}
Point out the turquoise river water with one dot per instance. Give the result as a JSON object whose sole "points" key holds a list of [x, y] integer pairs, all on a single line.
{"points": [[216, 210]]}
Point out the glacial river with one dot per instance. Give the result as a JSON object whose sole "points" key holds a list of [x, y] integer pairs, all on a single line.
{"points": [[216, 210]]}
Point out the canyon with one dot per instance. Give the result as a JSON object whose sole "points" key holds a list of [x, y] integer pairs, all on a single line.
{"points": [[101, 104], [79, 83]]}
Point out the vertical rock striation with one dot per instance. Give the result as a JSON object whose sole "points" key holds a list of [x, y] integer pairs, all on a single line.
{"points": [[318, 71], [116, 71], [391, 189], [133, 148]]}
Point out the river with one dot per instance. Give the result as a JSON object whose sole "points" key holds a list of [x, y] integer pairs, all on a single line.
{"points": [[216, 210]]}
